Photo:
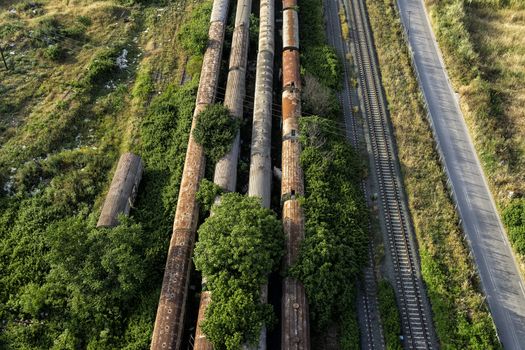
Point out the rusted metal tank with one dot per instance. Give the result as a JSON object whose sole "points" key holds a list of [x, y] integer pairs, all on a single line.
{"points": [[260, 157], [201, 343], [292, 77], [123, 189], [295, 332], [167, 332], [226, 168], [260, 181], [290, 26], [225, 175]]}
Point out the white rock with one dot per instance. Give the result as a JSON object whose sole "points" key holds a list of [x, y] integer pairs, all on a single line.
{"points": [[122, 60]]}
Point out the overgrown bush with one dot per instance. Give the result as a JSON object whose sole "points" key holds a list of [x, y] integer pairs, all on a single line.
{"points": [[193, 34], [322, 61], [390, 319], [101, 67], [207, 193], [54, 52], [334, 248], [239, 245], [47, 32], [215, 131], [514, 219]]}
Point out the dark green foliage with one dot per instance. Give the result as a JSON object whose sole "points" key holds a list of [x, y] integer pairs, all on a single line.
{"points": [[47, 32], [317, 58], [143, 85], [164, 132], [514, 219], [84, 21], [322, 62], [254, 30], [390, 319], [101, 67], [215, 131], [208, 192], [193, 34], [239, 245], [54, 52], [334, 249]]}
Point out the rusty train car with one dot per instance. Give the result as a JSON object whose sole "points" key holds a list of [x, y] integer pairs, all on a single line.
{"points": [[260, 179], [167, 332], [295, 332], [122, 191], [226, 168]]}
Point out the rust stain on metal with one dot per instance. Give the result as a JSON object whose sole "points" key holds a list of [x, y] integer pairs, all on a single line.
{"points": [[226, 168], [295, 319], [123, 189], [291, 72], [200, 338], [168, 328]]}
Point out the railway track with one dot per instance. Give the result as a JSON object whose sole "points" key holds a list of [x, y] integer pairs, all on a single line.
{"points": [[414, 308], [370, 326]]}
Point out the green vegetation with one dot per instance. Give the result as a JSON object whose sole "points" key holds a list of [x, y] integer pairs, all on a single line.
{"points": [[215, 131], [514, 218], [321, 67], [54, 52], [208, 192], [483, 49], [239, 245], [323, 62], [334, 249], [390, 319], [193, 35], [66, 284], [460, 315]]}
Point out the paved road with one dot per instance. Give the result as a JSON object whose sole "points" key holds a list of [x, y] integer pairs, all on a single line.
{"points": [[498, 270]]}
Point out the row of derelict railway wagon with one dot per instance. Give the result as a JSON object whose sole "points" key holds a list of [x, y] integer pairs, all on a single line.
{"points": [[169, 323]]}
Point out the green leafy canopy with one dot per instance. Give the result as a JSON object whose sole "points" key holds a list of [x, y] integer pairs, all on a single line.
{"points": [[239, 245], [215, 131]]}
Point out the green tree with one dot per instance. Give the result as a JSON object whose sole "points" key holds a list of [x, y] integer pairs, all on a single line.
{"points": [[215, 131], [239, 245]]}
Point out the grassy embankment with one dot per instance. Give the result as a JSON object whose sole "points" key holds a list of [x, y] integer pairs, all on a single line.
{"points": [[460, 315], [483, 47], [67, 112]]}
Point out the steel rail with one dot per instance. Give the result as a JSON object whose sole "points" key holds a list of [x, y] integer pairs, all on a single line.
{"points": [[415, 315]]}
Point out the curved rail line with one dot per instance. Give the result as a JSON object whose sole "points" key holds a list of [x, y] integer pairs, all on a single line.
{"points": [[415, 313]]}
